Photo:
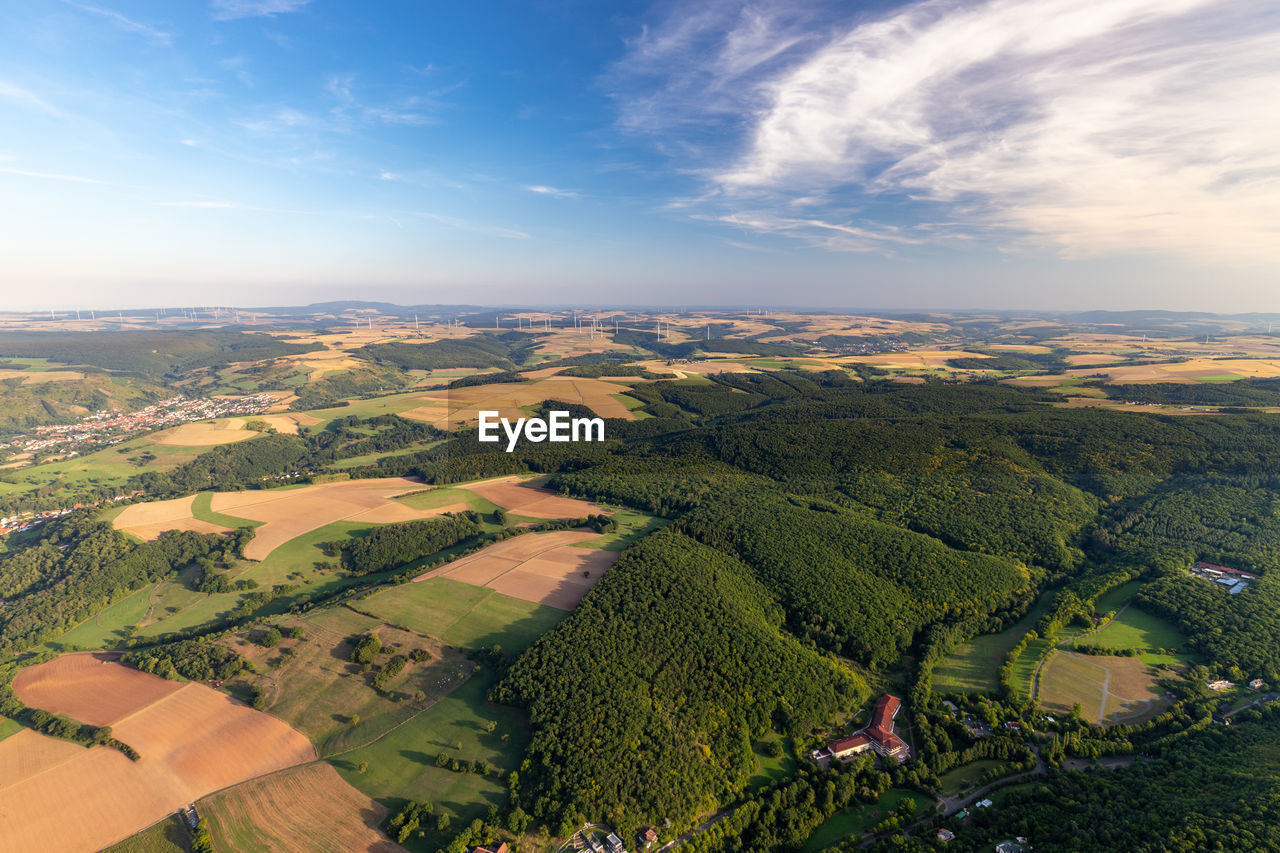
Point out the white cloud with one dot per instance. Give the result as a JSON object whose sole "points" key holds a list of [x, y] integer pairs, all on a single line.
{"points": [[542, 189], [230, 10], [190, 143], [1096, 126], [125, 23], [52, 176]]}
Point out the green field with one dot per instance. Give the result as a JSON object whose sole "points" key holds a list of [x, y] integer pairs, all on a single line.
{"points": [[9, 727], [1137, 629], [633, 525], [201, 508], [107, 628], [1025, 668], [1113, 599], [770, 769], [438, 497], [168, 836], [961, 779], [401, 764], [110, 467], [462, 615], [860, 820], [974, 667]]}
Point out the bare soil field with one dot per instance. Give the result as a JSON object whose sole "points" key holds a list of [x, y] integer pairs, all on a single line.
{"points": [[447, 407], [289, 513], [303, 810], [288, 424], [544, 568], [527, 497], [922, 359], [36, 377], [149, 520], [1110, 690], [226, 431], [192, 739]]}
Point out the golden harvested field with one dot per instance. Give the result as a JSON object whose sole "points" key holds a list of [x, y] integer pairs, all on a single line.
{"points": [[225, 431], [526, 497], [544, 568], [39, 377], [149, 520], [922, 359], [1110, 690], [289, 423], [289, 513], [1192, 370], [193, 741], [447, 407], [302, 810], [1091, 358]]}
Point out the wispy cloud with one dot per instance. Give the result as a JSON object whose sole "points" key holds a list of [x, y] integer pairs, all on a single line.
{"points": [[230, 10], [465, 225], [52, 176], [25, 98], [210, 205], [126, 23], [1096, 126], [543, 189]]}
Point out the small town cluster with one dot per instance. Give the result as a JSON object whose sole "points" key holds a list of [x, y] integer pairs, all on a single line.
{"points": [[109, 427]]}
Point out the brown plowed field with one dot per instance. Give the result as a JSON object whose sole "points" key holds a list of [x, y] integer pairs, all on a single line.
{"points": [[306, 810], [445, 408], [59, 796], [545, 568], [289, 513], [149, 520], [525, 498]]}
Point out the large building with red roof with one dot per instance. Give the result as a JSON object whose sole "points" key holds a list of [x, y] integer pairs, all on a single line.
{"points": [[878, 735]]}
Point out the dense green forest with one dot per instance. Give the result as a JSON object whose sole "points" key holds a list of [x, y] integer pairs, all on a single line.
{"points": [[151, 353], [645, 702], [1241, 392], [80, 566], [1217, 791], [391, 545]]}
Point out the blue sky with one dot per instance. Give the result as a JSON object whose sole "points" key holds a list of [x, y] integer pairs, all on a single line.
{"points": [[940, 154]]}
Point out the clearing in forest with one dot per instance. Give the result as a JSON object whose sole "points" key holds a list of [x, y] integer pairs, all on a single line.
{"points": [[1109, 690]]}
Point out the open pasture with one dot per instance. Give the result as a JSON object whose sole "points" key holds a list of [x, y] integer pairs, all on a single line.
{"points": [[538, 567], [314, 686], [192, 740], [1110, 690], [301, 810]]}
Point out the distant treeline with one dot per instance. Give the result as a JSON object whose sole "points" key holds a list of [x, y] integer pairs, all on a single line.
{"points": [[150, 353]]}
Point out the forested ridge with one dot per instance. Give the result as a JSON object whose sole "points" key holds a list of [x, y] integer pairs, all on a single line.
{"points": [[645, 702], [826, 535]]}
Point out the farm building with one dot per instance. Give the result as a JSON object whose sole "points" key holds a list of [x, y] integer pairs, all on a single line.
{"points": [[878, 735], [945, 835], [501, 848], [1233, 581]]}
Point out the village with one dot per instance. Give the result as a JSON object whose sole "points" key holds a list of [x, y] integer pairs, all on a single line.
{"points": [[106, 428]]}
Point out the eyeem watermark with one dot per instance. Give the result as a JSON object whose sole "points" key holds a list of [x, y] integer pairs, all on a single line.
{"points": [[558, 427]]}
